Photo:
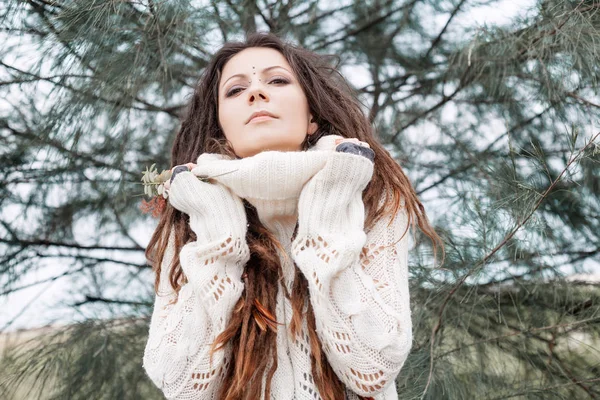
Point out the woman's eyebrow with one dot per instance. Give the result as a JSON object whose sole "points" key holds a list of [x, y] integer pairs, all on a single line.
{"points": [[264, 70]]}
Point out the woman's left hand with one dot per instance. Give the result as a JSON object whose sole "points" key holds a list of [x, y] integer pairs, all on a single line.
{"points": [[355, 146], [352, 140], [333, 196]]}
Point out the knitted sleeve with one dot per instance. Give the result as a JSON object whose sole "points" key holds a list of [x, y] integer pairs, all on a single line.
{"points": [[358, 282], [176, 355]]}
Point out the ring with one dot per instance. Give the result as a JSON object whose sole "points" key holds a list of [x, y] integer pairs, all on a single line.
{"points": [[176, 170], [353, 148]]}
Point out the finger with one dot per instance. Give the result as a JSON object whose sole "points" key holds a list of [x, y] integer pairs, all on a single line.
{"points": [[353, 140], [338, 141], [357, 149], [177, 169]]}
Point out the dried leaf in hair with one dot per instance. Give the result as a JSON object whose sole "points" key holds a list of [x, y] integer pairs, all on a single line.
{"points": [[155, 206]]}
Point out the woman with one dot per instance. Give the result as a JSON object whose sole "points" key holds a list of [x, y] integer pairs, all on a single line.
{"points": [[270, 281]]}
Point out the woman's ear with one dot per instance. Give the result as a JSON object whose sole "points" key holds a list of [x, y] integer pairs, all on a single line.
{"points": [[312, 126]]}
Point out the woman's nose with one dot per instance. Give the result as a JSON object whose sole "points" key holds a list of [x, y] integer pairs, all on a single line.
{"points": [[257, 92]]}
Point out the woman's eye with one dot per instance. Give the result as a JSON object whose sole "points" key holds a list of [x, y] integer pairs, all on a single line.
{"points": [[232, 92], [276, 80]]}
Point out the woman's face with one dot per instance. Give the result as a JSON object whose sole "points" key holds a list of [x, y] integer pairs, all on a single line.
{"points": [[260, 79]]}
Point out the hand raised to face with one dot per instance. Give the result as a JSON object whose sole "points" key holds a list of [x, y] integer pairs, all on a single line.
{"points": [[355, 146], [352, 140], [177, 169]]}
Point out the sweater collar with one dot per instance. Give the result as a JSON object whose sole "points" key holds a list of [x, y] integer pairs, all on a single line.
{"points": [[271, 180]]}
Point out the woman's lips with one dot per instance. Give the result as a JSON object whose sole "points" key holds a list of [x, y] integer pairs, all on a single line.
{"points": [[260, 118]]}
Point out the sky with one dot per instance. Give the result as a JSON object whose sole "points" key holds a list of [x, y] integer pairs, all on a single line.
{"points": [[40, 304]]}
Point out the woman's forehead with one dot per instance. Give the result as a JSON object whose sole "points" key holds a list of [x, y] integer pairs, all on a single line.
{"points": [[254, 60]]}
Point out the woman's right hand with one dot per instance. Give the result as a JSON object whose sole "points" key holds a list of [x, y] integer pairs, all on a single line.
{"points": [[177, 169], [214, 210]]}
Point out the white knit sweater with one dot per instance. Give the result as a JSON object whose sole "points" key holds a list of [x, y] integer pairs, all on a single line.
{"points": [[357, 286]]}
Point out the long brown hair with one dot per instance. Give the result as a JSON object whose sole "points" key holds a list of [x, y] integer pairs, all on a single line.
{"points": [[337, 111]]}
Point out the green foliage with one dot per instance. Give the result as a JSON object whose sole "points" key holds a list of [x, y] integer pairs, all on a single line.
{"points": [[90, 360], [495, 125]]}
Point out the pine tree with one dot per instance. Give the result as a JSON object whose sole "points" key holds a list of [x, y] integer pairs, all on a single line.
{"points": [[497, 127]]}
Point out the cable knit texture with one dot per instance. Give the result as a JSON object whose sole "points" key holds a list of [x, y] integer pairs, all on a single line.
{"points": [[358, 280]]}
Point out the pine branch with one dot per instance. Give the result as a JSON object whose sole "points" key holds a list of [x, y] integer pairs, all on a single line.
{"points": [[464, 168], [173, 110], [46, 243], [517, 332], [58, 145], [542, 389], [463, 82], [450, 294], [220, 22], [94, 299], [580, 255], [318, 18], [271, 23], [47, 280], [365, 26], [31, 31], [570, 375], [41, 11], [9, 323], [435, 42], [582, 100]]}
